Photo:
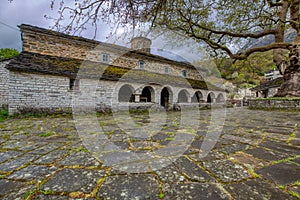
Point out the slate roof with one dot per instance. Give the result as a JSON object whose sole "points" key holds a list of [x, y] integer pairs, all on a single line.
{"points": [[61, 66], [162, 57], [269, 84]]}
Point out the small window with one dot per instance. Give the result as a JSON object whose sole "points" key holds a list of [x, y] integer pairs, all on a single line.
{"points": [[74, 84], [184, 73], [166, 70], [141, 64], [105, 57]]}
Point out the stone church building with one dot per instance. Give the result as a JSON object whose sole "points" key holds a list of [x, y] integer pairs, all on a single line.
{"points": [[53, 68]]}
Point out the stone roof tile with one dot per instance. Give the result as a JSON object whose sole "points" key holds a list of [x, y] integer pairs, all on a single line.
{"points": [[60, 66], [269, 84]]}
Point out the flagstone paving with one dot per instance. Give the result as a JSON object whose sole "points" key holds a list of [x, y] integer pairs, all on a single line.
{"points": [[256, 156]]}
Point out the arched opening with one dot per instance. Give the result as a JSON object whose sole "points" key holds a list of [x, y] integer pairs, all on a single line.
{"points": [[126, 94], [220, 98], [165, 97], [147, 94], [210, 97], [197, 97], [183, 96]]}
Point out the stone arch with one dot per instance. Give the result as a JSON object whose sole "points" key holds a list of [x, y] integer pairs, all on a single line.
{"points": [[147, 94], [211, 97], [183, 96], [220, 98], [197, 97], [125, 93], [166, 95]]}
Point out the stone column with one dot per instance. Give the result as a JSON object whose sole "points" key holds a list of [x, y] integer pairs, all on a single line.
{"points": [[136, 98], [213, 100]]}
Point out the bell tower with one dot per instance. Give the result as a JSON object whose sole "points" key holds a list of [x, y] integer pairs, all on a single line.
{"points": [[141, 44]]}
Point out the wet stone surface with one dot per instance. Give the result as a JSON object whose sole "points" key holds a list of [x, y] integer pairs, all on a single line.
{"points": [[194, 191], [8, 186], [74, 180], [130, 187], [283, 173], [256, 189], [33, 172], [226, 170], [79, 158], [256, 155]]}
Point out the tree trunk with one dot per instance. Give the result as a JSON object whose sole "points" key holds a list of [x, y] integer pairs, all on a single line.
{"points": [[291, 85]]}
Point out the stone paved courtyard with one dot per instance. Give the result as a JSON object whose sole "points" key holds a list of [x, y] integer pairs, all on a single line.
{"points": [[256, 157]]}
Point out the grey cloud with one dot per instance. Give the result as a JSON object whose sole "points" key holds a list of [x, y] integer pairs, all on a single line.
{"points": [[30, 12]]}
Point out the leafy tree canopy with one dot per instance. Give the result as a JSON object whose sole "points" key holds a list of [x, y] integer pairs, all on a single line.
{"points": [[219, 23], [6, 53]]}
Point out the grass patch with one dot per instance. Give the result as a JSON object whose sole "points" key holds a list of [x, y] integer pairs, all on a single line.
{"points": [[46, 192], [3, 114], [292, 136], [286, 160], [253, 174], [109, 132], [48, 134], [29, 194], [81, 149], [170, 139], [161, 195], [282, 187], [295, 194], [297, 183]]}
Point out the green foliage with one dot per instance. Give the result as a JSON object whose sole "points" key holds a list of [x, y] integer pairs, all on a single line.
{"points": [[3, 114], [48, 134], [246, 72], [7, 53], [81, 149], [161, 195], [295, 194]]}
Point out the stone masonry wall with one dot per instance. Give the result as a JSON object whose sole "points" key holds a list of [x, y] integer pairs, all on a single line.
{"points": [[47, 93], [4, 80], [31, 92], [292, 104], [51, 43]]}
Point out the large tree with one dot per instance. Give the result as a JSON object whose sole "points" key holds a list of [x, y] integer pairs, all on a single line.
{"points": [[221, 24]]}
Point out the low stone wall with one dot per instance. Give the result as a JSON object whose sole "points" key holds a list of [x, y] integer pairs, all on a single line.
{"points": [[290, 104]]}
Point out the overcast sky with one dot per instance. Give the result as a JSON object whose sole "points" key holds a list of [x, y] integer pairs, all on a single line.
{"points": [[30, 12], [33, 11]]}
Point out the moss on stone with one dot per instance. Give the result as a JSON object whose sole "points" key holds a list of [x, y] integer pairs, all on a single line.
{"points": [[44, 64]]}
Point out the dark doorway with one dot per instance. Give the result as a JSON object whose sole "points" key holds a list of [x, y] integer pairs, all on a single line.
{"points": [[146, 94], [164, 98], [197, 97], [210, 97]]}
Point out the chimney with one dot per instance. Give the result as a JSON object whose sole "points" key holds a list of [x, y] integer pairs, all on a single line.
{"points": [[141, 44]]}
